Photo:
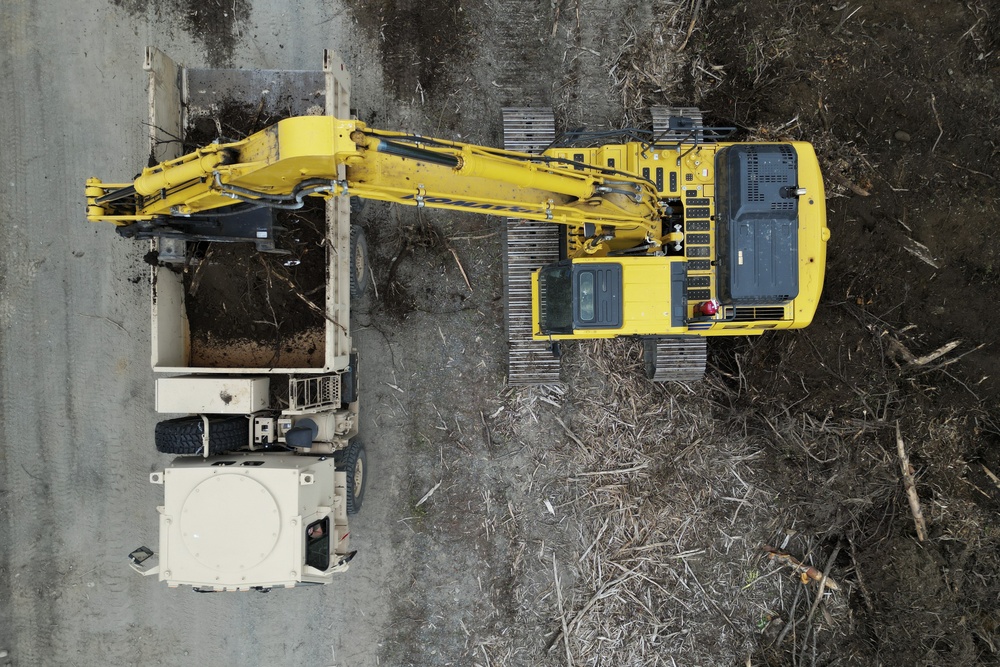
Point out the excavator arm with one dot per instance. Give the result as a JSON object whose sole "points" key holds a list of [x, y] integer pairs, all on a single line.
{"points": [[304, 156]]}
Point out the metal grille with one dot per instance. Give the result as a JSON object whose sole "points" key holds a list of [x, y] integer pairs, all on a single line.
{"points": [[767, 172], [752, 313], [527, 246], [315, 392]]}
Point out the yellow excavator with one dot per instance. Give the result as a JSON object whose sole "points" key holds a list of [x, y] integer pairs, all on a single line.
{"points": [[674, 235]]}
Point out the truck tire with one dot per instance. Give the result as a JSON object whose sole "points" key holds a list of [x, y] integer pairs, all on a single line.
{"points": [[359, 263], [353, 461], [184, 435]]}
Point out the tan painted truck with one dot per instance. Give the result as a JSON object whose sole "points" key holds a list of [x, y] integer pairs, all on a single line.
{"points": [[270, 466]]}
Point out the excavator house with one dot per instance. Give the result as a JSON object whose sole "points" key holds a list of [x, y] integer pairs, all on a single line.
{"points": [[672, 235]]}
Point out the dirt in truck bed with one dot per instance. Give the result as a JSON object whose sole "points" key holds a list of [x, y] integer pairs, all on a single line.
{"points": [[254, 309]]}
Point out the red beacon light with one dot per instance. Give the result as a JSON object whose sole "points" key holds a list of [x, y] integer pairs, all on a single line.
{"points": [[708, 308]]}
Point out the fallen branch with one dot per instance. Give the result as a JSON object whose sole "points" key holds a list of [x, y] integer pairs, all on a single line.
{"points": [[196, 279], [562, 614], [690, 30], [823, 584], [428, 495], [921, 252], [460, 268], [843, 180], [937, 118], [602, 592], [936, 354], [993, 478], [971, 171], [806, 573], [570, 433], [306, 300], [486, 431], [899, 350], [911, 487]]}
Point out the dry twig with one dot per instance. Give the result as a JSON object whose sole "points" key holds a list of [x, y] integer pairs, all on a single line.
{"points": [[460, 268], [911, 487], [562, 614], [937, 119]]}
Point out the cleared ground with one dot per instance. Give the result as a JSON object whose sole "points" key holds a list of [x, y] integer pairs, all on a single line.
{"points": [[608, 522]]}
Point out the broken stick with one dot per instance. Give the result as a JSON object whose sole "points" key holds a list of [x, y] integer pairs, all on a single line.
{"points": [[911, 487]]}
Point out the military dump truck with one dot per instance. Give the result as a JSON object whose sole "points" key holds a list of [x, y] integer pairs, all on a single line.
{"points": [[270, 465]]}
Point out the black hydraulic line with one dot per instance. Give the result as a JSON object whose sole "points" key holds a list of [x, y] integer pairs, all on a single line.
{"points": [[115, 195], [291, 201], [415, 153]]}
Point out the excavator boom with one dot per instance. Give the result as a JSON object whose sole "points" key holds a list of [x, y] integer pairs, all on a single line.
{"points": [[322, 155]]}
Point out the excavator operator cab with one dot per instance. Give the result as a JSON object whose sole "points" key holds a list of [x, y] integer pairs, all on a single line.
{"points": [[580, 296]]}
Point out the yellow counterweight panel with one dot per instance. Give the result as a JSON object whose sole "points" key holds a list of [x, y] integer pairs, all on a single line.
{"points": [[813, 236]]}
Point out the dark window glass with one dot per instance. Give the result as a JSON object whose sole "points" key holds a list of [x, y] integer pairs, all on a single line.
{"points": [[555, 286], [318, 544]]}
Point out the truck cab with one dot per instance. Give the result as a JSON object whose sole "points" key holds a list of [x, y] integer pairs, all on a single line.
{"points": [[253, 521]]}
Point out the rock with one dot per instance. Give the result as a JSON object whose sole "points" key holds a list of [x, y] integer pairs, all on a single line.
{"points": [[902, 136]]}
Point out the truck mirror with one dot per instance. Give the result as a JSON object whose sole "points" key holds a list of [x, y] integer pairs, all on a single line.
{"points": [[140, 555]]}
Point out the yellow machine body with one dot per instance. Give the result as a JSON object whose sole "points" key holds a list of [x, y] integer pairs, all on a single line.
{"points": [[650, 210], [645, 297]]}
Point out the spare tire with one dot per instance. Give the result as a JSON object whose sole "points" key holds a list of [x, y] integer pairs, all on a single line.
{"points": [[184, 435], [353, 460]]}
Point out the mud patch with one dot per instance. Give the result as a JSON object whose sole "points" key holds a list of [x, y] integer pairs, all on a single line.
{"points": [[420, 41], [217, 24]]}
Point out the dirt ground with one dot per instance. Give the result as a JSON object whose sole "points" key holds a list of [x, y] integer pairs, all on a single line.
{"points": [[606, 521], [628, 520]]}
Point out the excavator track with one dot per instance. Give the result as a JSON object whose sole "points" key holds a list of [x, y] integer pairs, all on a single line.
{"points": [[527, 246], [675, 358], [687, 124]]}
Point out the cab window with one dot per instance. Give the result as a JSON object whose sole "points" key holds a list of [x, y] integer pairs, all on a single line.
{"points": [[318, 544]]}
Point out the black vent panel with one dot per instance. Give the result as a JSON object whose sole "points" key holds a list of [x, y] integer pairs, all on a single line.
{"points": [[753, 314]]}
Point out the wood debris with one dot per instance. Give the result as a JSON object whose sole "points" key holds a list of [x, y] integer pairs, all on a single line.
{"points": [[921, 252], [911, 487], [428, 494], [903, 353], [806, 573]]}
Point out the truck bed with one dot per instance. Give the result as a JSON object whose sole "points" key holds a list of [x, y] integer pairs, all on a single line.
{"points": [[238, 310]]}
